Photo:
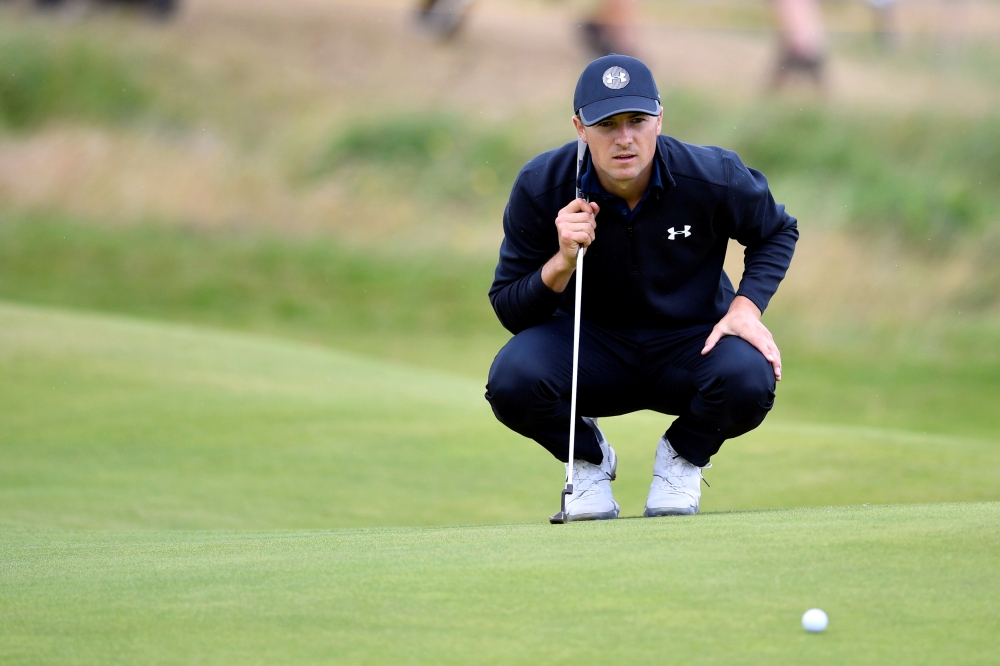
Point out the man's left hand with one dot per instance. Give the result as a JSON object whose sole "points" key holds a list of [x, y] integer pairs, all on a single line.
{"points": [[743, 320]]}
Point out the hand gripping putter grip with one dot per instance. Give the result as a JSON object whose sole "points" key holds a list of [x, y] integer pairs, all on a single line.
{"points": [[561, 517]]}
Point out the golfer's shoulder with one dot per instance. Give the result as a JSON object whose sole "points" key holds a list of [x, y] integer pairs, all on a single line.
{"points": [[545, 175], [709, 165]]}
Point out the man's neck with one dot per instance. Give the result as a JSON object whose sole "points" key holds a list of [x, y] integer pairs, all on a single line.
{"points": [[629, 190]]}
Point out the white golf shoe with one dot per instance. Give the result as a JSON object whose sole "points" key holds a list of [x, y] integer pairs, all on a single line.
{"points": [[676, 487], [591, 498]]}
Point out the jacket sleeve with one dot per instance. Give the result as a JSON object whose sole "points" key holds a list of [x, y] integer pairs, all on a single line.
{"points": [[519, 297], [762, 227]]}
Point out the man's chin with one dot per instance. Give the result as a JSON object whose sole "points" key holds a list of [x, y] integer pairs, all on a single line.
{"points": [[624, 176]]}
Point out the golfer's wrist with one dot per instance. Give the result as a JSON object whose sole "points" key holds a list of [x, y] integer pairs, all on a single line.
{"points": [[744, 304], [556, 272]]}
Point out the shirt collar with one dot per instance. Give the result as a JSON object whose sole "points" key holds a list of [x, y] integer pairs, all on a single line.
{"points": [[590, 184]]}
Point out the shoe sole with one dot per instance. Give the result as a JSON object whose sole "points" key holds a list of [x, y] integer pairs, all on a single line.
{"points": [[669, 511], [604, 515]]}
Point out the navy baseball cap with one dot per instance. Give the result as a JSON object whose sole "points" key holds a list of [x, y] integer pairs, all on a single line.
{"points": [[615, 84]]}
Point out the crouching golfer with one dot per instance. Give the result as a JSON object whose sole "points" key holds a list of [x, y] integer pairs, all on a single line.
{"points": [[662, 327]]}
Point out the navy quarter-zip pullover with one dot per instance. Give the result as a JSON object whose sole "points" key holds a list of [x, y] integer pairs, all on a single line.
{"points": [[659, 265]]}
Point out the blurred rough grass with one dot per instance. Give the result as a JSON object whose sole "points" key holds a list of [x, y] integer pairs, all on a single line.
{"points": [[922, 176], [43, 79], [428, 173], [918, 176], [435, 156], [312, 288], [430, 309]]}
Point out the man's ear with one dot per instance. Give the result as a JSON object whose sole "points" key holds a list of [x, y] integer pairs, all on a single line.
{"points": [[581, 130]]}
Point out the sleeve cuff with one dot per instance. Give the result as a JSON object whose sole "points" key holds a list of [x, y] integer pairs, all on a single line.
{"points": [[541, 291], [757, 299]]}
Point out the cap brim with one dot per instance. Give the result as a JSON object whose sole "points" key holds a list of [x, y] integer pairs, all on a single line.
{"points": [[595, 112]]}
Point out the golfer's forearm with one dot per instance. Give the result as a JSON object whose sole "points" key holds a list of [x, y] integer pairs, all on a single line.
{"points": [[765, 267], [557, 272], [523, 302]]}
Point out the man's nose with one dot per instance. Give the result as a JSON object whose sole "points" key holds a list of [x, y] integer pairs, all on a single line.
{"points": [[624, 136]]}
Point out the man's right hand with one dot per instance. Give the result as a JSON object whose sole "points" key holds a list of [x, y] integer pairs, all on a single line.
{"points": [[575, 225]]}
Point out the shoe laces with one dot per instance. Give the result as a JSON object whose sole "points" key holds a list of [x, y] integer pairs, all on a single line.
{"points": [[679, 468]]}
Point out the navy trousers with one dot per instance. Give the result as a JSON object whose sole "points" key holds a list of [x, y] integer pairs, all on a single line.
{"points": [[720, 395]]}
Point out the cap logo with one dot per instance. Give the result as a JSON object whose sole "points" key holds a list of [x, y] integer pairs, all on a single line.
{"points": [[616, 78]]}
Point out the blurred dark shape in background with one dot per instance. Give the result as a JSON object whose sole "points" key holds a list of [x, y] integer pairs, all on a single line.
{"points": [[801, 42], [442, 19], [611, 29], [157, 8]]}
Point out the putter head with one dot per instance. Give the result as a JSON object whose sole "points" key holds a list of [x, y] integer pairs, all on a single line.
{"points": [[561, 517]]}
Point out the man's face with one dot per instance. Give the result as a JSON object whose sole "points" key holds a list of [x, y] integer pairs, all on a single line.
{"points": [[622, 146]]}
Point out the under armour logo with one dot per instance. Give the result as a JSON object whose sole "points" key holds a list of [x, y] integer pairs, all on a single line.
{"points": [[674, 233], [615, 78]]}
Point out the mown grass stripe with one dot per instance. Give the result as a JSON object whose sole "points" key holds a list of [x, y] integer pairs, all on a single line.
{"points": [[902, 584]]}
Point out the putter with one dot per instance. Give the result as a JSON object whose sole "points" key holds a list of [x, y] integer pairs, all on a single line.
{"points": [[562, 517]]}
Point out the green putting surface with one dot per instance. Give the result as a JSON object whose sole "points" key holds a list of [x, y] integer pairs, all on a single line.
{"points": [[111, 423], [916, 584], [123, 438]]}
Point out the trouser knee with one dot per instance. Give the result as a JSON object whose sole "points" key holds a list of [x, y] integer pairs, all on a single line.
{"points": [[748, 392], [517, 390]]}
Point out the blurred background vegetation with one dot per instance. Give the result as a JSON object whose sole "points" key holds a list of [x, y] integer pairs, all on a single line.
{"points": [[323, 172]]}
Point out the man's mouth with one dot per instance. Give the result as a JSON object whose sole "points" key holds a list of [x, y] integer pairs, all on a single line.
{"points": [[624, 157]]}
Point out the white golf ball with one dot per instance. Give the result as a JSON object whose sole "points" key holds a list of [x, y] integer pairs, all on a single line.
{"points": [[814, 621]]}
